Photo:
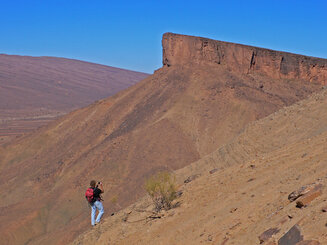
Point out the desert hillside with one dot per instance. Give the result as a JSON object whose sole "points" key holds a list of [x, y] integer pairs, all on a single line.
{"points": [[36, 90], [239, 193], [197, 102]]}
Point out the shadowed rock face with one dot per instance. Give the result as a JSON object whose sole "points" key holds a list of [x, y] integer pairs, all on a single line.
{"points": [[181, 49], [174, 117]]}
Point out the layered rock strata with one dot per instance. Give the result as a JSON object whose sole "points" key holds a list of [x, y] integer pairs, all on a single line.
{"points": [[182, 49]]}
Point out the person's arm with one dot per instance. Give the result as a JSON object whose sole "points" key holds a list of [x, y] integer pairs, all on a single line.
{"points": [[100, 186]]}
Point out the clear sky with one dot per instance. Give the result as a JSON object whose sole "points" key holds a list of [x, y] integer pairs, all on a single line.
{"points": [[127, 34]]}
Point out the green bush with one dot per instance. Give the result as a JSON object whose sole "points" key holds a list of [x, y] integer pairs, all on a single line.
{"points": [[162, 189]]}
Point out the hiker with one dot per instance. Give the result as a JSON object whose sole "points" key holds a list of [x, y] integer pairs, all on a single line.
{"points": [[93, 196]]}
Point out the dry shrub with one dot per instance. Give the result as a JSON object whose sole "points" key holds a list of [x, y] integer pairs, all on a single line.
{"points": [[162, 189]]}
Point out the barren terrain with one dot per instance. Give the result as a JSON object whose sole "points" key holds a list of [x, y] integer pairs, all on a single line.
{"points": [[36, 90], [246, 192], [199, 101]]}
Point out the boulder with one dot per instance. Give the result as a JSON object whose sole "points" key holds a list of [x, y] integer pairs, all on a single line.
{"points": [[292, 237], [303, 190], [266, 235], [307, 198]]}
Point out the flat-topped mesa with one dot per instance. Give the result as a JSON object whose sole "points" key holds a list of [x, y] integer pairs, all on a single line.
{"points": [[181, 49]]}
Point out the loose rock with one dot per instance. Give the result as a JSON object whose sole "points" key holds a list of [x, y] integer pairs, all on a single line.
{"points": [[292, 237], [303, 190], [213, 170], [266, 235], [191, 178], [307, 198]]}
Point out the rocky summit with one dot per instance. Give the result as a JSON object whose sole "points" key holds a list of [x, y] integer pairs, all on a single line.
{"points": [[195, 115]]}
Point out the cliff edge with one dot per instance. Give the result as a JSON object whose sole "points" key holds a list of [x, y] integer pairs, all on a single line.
{"points": [[182, 49]]}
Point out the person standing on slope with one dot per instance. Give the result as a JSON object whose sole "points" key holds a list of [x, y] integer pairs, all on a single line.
{"points": [[93, 196]]}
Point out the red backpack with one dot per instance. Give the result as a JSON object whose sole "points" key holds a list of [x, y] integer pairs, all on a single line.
{"points": [[89, 195]]}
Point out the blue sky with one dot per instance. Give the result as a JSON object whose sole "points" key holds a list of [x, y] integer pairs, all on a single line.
{"points": [[127, 34]]}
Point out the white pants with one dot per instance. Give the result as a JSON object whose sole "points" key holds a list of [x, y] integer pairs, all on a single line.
{"points": [[97, 205]]}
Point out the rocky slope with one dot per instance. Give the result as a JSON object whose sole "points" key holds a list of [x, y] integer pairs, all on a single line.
{"points": [[244, 198], [35, 90], [173, 118]]}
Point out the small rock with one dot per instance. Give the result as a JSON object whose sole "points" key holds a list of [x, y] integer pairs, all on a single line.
{"points": [[209, 238], [266, 235], [60, 162], [213, 170], [292, 237], [191, 178], [324, 209], [233, 210], [249, 180], [179, 193]]}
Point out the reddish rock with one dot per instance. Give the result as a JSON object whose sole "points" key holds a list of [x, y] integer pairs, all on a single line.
{"points": [[292, 237], [182, 49], [303, 190], [307, 198], [266, 235]]}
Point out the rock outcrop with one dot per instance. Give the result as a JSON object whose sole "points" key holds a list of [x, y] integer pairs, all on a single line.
{"points": [[181, 49]]}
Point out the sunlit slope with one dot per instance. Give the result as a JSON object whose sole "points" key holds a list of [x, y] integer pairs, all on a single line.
{"points": [[36, 90], [247, 195]]}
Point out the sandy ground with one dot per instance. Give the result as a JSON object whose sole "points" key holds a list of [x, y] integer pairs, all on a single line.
{"points": [[247, 195]]}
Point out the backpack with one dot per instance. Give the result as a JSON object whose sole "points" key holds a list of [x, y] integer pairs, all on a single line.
{"points": [[89, 195]]}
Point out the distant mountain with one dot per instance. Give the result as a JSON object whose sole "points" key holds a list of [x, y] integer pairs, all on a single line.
{"points": [[34, 90], [202, 98]]}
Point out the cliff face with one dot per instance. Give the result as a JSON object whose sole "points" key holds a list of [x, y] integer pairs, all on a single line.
{"points": [[181, 49]]}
